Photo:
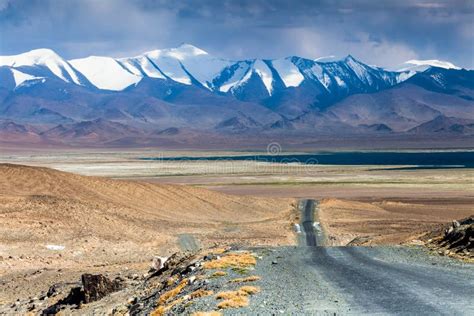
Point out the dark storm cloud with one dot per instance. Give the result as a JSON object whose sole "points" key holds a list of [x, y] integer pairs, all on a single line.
{"points": [[378, 32]]}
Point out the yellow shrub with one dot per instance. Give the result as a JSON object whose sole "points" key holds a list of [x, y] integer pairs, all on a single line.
{"points": [[250, 289], [218, 274], [213, 313], [236, 302], [247, 279], [232, 260], [172, 293], [200, 293]]}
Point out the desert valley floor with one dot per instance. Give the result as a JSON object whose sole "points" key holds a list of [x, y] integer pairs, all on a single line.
{"points": [[64, 213]]}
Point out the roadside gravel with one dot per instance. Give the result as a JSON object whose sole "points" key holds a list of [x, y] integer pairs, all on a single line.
{"points": [[385, 280]]}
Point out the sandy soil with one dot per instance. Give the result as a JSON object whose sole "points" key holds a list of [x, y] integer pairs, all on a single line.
{"points": [[52, 221], [387, 222], [150, 212]]}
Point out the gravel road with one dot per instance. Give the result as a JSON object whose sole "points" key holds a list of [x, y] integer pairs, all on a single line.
{"points": [[311, 279]]}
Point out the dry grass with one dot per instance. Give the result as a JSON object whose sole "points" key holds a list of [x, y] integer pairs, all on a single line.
{"points": [[250, 289], [173, 303], [164, 306], [169, 295], [171, 280], [226, 295], [172, 293], [232, 260], [230, 299], [243, 291], [218, 251], [200, 293], [159, 311], [212, 313], [247, 279], [218, 274], [236, 299], [235, 302]]}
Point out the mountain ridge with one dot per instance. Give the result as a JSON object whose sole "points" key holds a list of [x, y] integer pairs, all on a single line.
{"points": [[188, 90], [166, 64]]}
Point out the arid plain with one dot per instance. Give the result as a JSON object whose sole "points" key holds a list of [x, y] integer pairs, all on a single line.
{"points": [[54, 227], [410, 197]]}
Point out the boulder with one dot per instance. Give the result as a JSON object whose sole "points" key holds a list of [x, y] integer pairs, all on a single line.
{"points": [[455, 239], [459, 236], [97, 286], [158, 263]]}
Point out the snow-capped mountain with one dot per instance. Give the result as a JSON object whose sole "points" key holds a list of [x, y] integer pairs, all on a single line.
{"points": [[422, 65], [413, 66], [41, 63], [190, 65], [186, 65], [185, 87], [292, 85]]}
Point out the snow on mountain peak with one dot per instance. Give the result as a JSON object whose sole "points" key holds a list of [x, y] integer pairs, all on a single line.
{"points": [[181, 52], [289, 73], [186, 60], [434, 63], [190, 65], [21, 77], [421, 65], [191, 49], [43, 57], [169, 62], [327, 59], [412, 67], [31, 58], [105, 72], [265, 73]]}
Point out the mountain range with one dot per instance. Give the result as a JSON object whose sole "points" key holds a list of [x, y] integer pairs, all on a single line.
{"points": [[184, 95]]}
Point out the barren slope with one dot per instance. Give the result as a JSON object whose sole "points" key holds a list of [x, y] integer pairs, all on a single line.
{"points": [[387, 222], [53, 219]]}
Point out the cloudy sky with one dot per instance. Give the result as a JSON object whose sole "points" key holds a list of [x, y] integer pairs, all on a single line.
{"points": [[378, 32]]}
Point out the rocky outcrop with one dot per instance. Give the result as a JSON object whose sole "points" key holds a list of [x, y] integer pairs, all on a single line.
{"points": [[94, 287], [97, 286], [456, 239]]}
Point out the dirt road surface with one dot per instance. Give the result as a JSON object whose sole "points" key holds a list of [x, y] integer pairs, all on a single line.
{"points": [[313, 279]]}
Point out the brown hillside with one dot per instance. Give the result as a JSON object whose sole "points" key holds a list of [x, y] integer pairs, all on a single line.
{"points": [[102, 220]]}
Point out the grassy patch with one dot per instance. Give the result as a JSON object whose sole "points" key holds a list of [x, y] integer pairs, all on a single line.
{"points": [[236, 302], [166, 302], [172, 293], [241, 271], [159, 311], [163, 305], [251, 278], [236, 299], [250, 289], [218, 274], [232, 260], [213, 313], [227, 295], [200, 293]]}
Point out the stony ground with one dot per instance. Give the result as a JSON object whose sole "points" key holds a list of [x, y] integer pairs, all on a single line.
{"points": [[54, 225], [361, 280], [455, 239], [285, 280], [302, 280], [45, 247], [219, 280]]}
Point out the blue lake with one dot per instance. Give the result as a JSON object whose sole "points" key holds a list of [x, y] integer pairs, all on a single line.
{"points": [[421, 160]]}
